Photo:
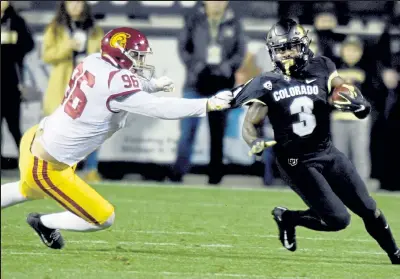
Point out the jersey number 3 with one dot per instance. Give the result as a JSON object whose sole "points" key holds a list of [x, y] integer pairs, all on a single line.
{"points": [[76, 99], [303, 106]]}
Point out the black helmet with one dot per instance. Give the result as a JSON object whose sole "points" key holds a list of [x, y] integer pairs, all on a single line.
{"points": [[288, 34]]}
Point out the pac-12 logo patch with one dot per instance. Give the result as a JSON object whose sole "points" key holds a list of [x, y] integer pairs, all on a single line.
{"points": [[268, 85], [292, 161], [119, 39]]}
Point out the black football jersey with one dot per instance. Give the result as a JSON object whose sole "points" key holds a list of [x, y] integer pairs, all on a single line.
{"points": [[298, 106]]}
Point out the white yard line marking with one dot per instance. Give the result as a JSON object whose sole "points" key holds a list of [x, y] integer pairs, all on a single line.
{"points": [[188, 246], [248, 235]]}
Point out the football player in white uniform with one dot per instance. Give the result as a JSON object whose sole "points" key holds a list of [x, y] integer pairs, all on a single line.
{"points": [[103, 89]]}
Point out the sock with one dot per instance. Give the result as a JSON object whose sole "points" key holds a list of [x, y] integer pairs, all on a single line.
{"points": [[379, 229], [11, 194], [306, 219], [69, 221]]}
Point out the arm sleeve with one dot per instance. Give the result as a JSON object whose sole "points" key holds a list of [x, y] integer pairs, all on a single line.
{"points": [[54, 49], [331, 72], [149, 86], [248, 93], [132, 97], [160, 107]]}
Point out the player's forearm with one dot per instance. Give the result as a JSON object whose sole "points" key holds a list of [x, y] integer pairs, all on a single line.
{"points": [[161, 107], [253, 122], [250, 132], [150, 86], [177, 108]]}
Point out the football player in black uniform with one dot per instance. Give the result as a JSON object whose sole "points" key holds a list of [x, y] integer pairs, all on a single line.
{"points": [[296, 97]]}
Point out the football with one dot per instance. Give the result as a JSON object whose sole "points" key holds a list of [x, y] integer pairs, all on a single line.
{"points": [[341, 90]]}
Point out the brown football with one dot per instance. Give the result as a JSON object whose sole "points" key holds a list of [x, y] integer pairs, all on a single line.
{"points": [[335, 96]]}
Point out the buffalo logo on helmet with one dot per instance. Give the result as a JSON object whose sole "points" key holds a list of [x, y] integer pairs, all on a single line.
{"points": [[119, 39]]}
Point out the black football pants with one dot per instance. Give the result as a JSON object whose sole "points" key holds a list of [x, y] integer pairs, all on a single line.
{"points": [[328, 182]]}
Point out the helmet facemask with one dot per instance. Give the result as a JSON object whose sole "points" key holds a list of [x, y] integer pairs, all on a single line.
{"points": [[290, 56], [139, 65], [138, 59]]}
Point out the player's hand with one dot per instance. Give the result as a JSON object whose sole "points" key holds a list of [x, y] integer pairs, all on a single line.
{"points": [[165, 84], [259, 145], [352, 102], [220, 101]]}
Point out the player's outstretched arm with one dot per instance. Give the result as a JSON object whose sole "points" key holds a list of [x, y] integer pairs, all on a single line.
{"points": [[169, 107], [252, 129]]}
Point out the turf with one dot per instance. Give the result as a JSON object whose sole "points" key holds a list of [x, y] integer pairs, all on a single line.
{"points": [[194, 232]]}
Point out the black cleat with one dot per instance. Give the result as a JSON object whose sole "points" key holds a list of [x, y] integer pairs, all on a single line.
{"points": [[395, 258], [50, 237], [287, 233]]}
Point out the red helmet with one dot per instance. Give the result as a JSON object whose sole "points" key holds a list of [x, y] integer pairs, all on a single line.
{"points": [[127, 48]]}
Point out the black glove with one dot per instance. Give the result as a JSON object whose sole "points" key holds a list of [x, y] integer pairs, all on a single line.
{"points": [[356, 103], [363, 110]]}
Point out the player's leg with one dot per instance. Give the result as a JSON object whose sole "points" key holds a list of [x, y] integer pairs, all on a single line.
{"points": [[326, 213], [351, 189], [86, 209], [11, 194]]}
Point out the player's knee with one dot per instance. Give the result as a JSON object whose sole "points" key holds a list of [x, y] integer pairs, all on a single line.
{"points": [[109, 222], [110, 217], [338, 222]]}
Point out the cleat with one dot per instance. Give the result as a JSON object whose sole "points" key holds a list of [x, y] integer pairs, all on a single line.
{"points": [[287, 233], [50, 237], [395, 258]]}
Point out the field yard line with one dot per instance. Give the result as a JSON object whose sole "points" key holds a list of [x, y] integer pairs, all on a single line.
{"points": [[213, 245], [395, 194], [185, 274], [249, 235]]}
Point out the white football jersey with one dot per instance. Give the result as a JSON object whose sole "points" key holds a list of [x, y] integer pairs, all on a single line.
{"points": [[85, 119]]}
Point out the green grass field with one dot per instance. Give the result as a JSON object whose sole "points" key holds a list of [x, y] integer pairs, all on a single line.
{"points": [[194, 232]]}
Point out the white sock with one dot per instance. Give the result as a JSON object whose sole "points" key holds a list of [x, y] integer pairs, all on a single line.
{"points": [[11, 195], [69, 221]]}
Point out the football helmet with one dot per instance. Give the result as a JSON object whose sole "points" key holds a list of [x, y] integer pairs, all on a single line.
{"points": [[288, 46], [127, 48]]}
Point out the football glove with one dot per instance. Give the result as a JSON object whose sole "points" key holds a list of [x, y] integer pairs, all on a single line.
{"points": [[355, 102], [259, 145], [164, 84], [220, 101]]}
